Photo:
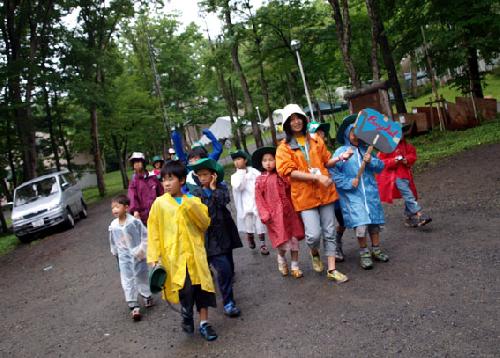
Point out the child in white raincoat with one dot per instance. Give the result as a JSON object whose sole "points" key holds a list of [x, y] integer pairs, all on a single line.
{"points": [[243, 184], [128, 240]]}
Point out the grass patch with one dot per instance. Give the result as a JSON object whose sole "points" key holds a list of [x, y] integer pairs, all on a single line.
{"points": [[7, 243], [114, 186], [491, 88], [437, 145]]}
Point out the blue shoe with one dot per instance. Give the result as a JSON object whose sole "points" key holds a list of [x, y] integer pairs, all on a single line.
{"points": [[231, 310], [208, 332]]}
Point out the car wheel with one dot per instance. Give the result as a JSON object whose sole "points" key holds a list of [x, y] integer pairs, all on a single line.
{"points": [[25, 239], [70, 219], [83, 212]]}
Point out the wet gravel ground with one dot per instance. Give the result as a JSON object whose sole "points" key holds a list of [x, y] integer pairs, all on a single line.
{"points": [[437, 297]]}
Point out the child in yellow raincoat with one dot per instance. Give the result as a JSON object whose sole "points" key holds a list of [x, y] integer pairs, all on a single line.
{"points": [[176, 238]]}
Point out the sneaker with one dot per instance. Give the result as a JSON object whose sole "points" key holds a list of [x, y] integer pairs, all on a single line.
{"points": [[339, 253], [366, 260], [231, 310], [283, 268], [148, 302], [136, 314], [412, 221], [379, 255], [424, 219], [296, 273], [207, 331], [187, 325], [264, 250], [251, 242], [316, 263], [337, 276]]}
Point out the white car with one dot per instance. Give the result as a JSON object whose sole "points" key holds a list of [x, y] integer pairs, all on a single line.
{"points": [[46, 201]]}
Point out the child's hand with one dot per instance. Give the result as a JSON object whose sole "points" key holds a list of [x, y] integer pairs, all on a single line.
{"points": [[347, 154], [324, 180], [404, 161], [367, 158], [153, 264], [213, 182], [355, 182], [137, 215]]}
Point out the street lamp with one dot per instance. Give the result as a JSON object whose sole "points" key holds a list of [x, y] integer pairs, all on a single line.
{"points": [[258, 114], [295, 44]]}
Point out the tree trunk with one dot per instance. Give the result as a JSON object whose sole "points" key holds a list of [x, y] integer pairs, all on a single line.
{"points": [[473, 71], [50, 124], [413, 71], [374, 56], [5, 189], [3, 222], [249, 106], [94, 134], [378, 27], [10, 154], [343, 29], [118, 154], [62, 140]]}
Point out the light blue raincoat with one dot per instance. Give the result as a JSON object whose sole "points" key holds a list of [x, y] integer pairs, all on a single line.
{"points": [[361, 205]]}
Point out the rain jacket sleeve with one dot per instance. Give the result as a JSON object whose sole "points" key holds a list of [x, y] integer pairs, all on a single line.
{"points": [[141, 250], [179, 150], [238, 181], [217, 147], [376, 164], [342, 181], [262, 207], [133, 196], [411, 154], [388, 159], [112, 245], [285, 161], [153, 252], [197, 213]]}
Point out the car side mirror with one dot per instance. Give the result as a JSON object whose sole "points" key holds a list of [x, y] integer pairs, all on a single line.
{"points": [[65, 186]]}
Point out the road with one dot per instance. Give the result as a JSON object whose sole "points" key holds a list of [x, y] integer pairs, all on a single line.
{"points": [[437, 297]]}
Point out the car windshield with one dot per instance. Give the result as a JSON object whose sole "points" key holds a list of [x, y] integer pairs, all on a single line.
{"points": [[33, 191]]}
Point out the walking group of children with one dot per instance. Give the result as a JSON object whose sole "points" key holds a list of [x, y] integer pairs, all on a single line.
{"points": [[293, 192]]}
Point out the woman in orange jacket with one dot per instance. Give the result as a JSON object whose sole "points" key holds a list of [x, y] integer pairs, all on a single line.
{"points": [[303, 160]]}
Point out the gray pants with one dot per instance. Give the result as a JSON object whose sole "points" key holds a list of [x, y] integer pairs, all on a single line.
{"points": [[317, 221]]}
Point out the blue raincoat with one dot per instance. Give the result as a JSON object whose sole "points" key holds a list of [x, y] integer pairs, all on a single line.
{"points": [[361, 205]]}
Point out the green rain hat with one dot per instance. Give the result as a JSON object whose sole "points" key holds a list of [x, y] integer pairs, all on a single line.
{"points": [[210, 164], [157, 278], [259, 154], [241, 154], [157, 158], [313, 127], [345, 123]]}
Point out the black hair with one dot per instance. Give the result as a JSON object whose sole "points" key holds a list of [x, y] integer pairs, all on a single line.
{"points": [[175, 168], [121, 199], [197, 152], [287, 127]]}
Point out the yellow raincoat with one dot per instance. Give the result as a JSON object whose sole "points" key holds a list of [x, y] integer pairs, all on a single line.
{"points": [[176, 237]]}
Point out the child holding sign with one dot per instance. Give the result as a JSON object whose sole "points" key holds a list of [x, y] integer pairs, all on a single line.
{"points": [[359, 198]]}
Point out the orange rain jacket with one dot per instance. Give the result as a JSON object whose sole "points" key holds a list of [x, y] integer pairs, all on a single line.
{"points": [[305, 194]]}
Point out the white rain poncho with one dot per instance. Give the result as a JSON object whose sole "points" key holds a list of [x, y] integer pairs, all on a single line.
{"points": [[243, 184], [129, 243]]}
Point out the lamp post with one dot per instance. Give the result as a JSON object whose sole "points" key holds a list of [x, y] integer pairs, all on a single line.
{"points": [[295, 44], [258, 114]]}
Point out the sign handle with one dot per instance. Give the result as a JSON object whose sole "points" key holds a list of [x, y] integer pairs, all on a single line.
{"points": [[369, 151]]}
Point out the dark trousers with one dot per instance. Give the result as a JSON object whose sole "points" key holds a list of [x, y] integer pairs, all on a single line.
{"points": [[190, 295], [224, 267]]}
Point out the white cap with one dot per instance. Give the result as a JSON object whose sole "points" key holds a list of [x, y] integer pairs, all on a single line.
{"points": [[137, 156], [290, 109], [171, 150]]}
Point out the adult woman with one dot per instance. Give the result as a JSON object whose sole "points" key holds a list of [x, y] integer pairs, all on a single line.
{"points": [[304, 160]]}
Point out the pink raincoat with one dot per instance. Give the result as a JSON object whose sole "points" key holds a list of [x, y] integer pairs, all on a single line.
{"points": [[274, 203], [142, 192]]}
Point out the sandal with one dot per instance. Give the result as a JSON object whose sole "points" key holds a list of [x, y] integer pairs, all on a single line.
{"points": [[283, 268], [263, 250]]}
